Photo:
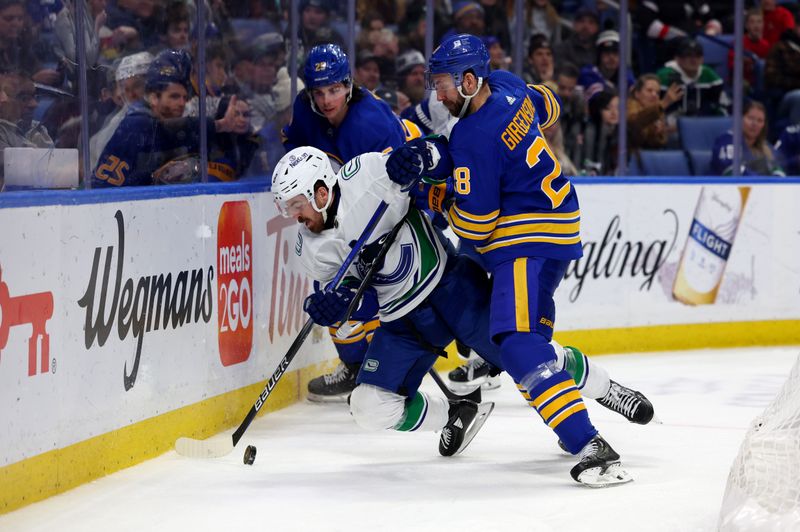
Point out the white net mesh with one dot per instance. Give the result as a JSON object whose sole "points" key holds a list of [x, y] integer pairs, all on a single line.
{"points": [[763, 491]]}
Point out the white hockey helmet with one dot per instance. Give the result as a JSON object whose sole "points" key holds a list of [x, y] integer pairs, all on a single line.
{"points": [[295, 176]]}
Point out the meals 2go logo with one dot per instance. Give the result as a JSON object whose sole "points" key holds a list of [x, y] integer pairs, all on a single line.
{"points": [[235, 282]]}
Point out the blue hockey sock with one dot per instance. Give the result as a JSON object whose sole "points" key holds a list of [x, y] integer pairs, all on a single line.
{"points": [[559, 403]]}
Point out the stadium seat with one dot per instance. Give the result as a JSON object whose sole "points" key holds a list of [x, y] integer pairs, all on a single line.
{"points": [[700, 132], [700, 161], [664, 162], [715, 53]]}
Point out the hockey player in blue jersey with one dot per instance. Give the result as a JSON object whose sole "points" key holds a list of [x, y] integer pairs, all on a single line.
{"points": [[511, 201], [427, 296], [343, 120], [154, 140]]}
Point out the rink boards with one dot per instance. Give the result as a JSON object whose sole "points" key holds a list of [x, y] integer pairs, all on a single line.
{"points": [[135, 317]]}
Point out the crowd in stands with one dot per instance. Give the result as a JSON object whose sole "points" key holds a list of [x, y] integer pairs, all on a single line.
{"points": [[142, 80]]}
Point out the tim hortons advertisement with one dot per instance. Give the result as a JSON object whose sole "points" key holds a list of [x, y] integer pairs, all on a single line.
{"points": [[686, 254]]}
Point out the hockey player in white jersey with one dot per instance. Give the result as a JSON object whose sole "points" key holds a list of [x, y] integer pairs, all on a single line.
{"points": [[426, 294]]}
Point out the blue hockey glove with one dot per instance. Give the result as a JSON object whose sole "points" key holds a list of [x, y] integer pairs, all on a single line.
{"points": [[427, 156], [405, 165], [328, 308]]}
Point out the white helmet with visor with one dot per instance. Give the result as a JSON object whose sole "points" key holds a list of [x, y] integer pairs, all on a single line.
{"points": [[295, 176]]}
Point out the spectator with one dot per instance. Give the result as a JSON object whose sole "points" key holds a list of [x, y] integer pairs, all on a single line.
{"points": [[130, 79], [753, 42], [757, 157], [314, 24], [272, 149], [384, 45], [555, 139], [600, 147], [266, 54], [573, 110], [134, 23], [787, 149], [467, 18], [495, 21], [540, 67], [579, 48], [782, 73], [702, 87], [647, 125], [410, 71], [662, 21], [603, 75], [17, 45], [412, 30], [17, 127], [368, 71], [215, 77], [233, 151], [175, 33], [498, 60], [540, 18], [777, 20], [154, 140]]}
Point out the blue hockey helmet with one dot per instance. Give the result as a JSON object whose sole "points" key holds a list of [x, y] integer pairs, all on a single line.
{"points": [[169, 66], [326, 64], [456, 55]]}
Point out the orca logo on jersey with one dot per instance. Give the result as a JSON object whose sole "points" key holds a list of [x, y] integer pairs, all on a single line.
{"points": [[235, 282]]}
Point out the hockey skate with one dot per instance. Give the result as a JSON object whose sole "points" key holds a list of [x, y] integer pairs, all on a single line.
{"points": [[631, 404], [334, 387], [599, 465], [465, 420], [475, 372]]}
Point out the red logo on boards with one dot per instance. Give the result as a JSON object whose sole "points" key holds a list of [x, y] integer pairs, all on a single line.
{"points": [[32, 309], [235, 282]]}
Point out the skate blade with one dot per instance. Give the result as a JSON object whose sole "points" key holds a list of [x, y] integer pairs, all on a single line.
{"points": [[603, 477], [484, 409], [464, 388], [341, 398]]}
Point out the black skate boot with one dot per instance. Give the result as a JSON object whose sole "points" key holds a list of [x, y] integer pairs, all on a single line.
{"points": [[599, 465], [334, 387], [631, 404], [476, 372], [465, 420]]}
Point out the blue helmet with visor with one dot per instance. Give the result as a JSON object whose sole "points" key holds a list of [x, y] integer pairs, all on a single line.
{"points": [[456, 56], [326, 64]]}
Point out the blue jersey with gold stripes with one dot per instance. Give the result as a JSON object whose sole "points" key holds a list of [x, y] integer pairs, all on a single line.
{"points": [[369, 126], [511, 197]]}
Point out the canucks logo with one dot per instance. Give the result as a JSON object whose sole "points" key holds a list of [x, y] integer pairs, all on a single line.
{"points": [[351, 168], [298, 246]]}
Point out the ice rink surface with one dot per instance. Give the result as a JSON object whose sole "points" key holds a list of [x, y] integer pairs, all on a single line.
{"points": [[317, 471]]}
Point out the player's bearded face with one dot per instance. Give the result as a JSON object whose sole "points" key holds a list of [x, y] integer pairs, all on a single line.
{"points": [[301, 210], [446, 92]]}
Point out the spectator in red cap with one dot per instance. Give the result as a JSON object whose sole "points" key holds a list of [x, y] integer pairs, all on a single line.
{"points": [[777, 19]]}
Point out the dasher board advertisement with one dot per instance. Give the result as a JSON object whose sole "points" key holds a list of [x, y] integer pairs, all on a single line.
{"points": [[660, 255], [112, 313]]}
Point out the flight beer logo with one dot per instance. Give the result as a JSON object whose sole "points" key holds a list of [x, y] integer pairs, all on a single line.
{"points": [[235, 282], [30, 309]]}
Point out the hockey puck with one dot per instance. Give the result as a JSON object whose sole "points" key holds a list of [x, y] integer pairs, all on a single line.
{"points": [[250, 455]]}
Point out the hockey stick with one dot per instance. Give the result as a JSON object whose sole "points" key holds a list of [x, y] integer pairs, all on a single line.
{"points": [[214, 449], [474, 395], [345, 329]]}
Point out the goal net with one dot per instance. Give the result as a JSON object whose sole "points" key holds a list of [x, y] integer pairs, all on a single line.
{"points": [[763, 490]]}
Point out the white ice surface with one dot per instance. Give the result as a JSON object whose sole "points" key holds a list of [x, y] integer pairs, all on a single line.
{"points": [[317, 471]]}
